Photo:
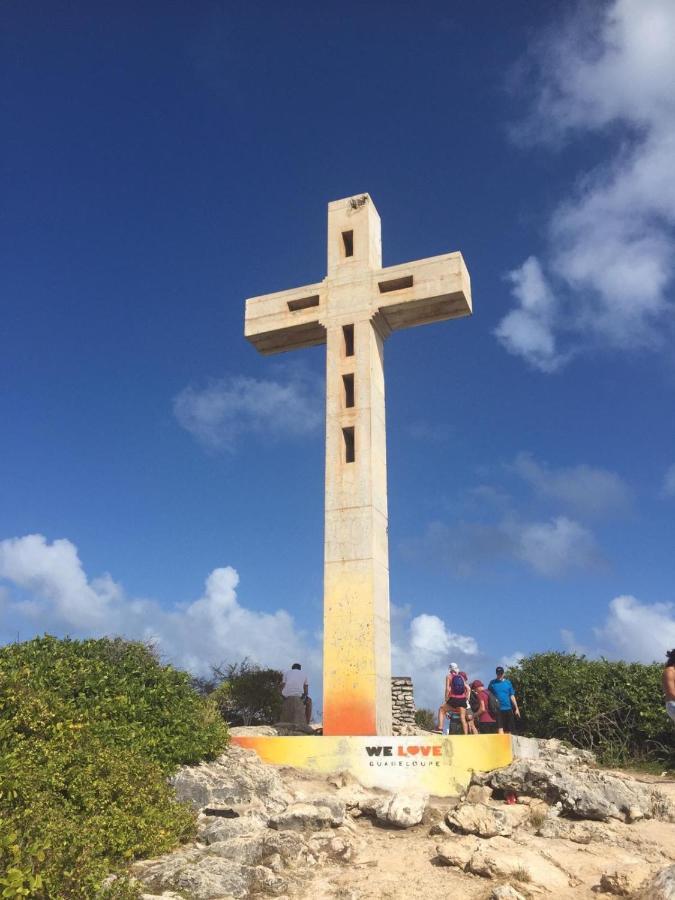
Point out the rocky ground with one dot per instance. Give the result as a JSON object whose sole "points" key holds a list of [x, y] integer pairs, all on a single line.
{"points": [[575, 831]]}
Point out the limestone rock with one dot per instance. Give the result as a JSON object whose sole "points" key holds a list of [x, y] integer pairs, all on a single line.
{"points": [[550, 749], [166, 895], [237, 778], [624, 880], [293, 729], [398, 810], [205, 878], [266, 880], [310, 815], [506, 892], [501, 858], [289, 846], [477, 818], [661, 887], [325, 845], [584, 793], [578, 832], [478, 794], [211, 830], [457, 852], [253, 731], [244, 851]]}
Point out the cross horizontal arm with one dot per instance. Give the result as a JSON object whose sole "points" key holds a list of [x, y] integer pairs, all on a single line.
{"points": [[428, 290], [286, 320]]}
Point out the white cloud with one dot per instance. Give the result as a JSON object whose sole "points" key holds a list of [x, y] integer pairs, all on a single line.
{"points": [[423, 647], [551, 548], [638, 631], [57, 595], [528, 330], [555, 547], [511, 659], [610, 241], [46, 588], [227, 408], [669, 482], [587, 490], [572, 645]]}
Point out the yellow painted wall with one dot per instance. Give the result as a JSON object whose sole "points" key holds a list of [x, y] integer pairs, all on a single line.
{"points": [[438, 765]]}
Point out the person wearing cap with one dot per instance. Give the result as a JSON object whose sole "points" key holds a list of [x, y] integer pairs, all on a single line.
{"points": [[486, 724], [455, 698], [502, 689]]}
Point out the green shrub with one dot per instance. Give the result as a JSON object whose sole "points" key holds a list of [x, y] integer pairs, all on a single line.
{"points": [[613, 708], [248, 693], [425, 718], [89, 731]]}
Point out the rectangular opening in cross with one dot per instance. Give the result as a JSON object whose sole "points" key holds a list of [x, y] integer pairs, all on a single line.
{"points": [[395, 284], [348, 243], [348, 335], [303, 303], [350, 450], [348, 381]]}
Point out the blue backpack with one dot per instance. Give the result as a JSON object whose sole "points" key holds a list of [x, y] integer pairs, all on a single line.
{"points": [[457, 686]]}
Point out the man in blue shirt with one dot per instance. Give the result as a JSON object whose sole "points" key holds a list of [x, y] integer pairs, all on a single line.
{"points": [[508, 705]]}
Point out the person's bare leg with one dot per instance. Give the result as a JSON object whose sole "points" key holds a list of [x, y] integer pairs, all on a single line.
{"points": [[442, 713], [462, 717], [308, 710]]}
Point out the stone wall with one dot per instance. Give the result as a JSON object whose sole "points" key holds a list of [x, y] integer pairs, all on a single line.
{"points": [[402, 702]]}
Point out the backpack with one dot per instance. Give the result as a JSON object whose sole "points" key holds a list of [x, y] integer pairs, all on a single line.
{"points": [[493, 704], [474, 701], [457, 686]]}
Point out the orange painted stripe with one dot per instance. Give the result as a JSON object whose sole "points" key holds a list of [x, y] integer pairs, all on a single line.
{"points": [[352, 717]]}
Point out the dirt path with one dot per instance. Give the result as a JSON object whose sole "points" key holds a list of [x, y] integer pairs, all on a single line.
{"points": [[392, 864]]}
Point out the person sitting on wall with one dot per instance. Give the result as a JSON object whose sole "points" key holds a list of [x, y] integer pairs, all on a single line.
{"points": [[502, 689], [295, 685], [455, 698]]}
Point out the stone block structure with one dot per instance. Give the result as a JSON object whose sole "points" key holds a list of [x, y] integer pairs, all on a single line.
{"points": [[402, 702]]}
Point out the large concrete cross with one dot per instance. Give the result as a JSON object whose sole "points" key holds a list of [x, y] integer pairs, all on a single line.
{"points": [[353, 311]]}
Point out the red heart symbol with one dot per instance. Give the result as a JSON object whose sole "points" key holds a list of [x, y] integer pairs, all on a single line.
{"points": [[413, 750]]}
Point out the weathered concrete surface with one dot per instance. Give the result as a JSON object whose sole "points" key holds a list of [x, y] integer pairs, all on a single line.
{"points": [[353, 311]]}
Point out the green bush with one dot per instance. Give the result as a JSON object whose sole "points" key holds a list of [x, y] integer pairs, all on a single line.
{"points": [[248, 694], [425, 718], [613, 708], [89, 732]]}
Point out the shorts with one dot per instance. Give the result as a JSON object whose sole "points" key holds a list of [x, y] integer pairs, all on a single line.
{"points": [[670, 709], [506, 720], [456, 702], [487, 727]]}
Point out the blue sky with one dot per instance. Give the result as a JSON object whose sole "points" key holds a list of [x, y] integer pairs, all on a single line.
{"points": [[162, 162]]}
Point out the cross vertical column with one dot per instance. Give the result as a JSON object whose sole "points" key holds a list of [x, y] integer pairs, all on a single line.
{"points": [[356, 658], [356, 655]]}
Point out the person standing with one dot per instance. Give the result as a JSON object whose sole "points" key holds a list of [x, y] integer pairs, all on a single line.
{"points": [[486, 723], [471, 727], [669, 683], [502, 689], [295, 685]]}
